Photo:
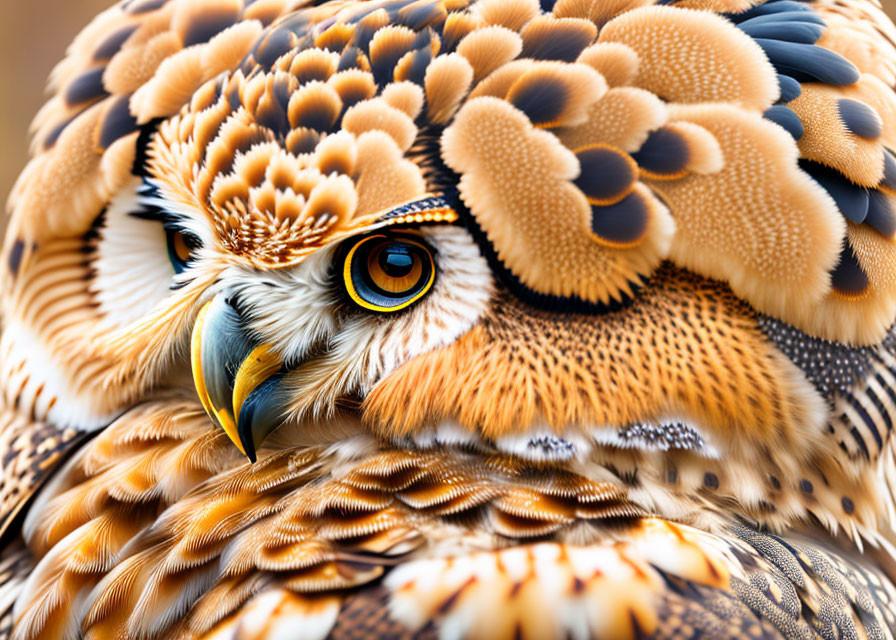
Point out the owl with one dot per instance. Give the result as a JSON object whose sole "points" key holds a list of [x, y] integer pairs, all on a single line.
{"points": [[489, 319]]}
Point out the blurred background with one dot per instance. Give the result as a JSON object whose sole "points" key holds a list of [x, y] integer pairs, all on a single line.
{"points": [[33, 37]]}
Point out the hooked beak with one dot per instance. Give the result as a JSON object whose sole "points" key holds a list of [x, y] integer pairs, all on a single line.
{"points": [[238, 380]]}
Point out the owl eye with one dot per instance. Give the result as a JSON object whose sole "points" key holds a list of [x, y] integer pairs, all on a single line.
{"points": [[385, 274], [181, 247]]}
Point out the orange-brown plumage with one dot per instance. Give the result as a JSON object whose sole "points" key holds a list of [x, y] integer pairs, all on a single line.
{"points": [[690, 349]]}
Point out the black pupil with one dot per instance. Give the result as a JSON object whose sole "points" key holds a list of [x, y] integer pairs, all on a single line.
{"points": [[396, 261]]}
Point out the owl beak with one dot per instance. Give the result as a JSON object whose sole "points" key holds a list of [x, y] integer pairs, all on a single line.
{"points": [[237, 380]]}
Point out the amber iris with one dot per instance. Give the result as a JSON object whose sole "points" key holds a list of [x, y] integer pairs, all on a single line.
{"points": [[181, 247]]}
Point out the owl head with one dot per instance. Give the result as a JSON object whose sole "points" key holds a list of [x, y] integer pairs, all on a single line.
{"points": [[656, 236]]}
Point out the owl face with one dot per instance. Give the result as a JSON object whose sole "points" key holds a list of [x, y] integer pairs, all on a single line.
{"points": [[470, 225], [339, 327]]}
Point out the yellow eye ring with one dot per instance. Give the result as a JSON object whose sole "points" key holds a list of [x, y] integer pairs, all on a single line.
{"points": [[388, 273]]}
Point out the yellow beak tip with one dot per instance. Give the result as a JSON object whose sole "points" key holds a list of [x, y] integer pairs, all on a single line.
{"points": [[255, 368]]}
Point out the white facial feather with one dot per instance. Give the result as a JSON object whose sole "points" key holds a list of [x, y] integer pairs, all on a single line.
{"points": [[131, 265], [290, 309]]}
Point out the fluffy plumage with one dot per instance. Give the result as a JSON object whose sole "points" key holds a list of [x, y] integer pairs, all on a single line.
{"points": [[534, 320]]}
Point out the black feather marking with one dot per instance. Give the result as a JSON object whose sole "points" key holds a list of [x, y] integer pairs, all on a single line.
{"points": [[889, 170], [150, 198], [859, 440], [789, 31], [831, 367], [867, 419], [559, 44], [663, 436], [233, 97], [118, 122], [303, 142], [141, 154], [419, 15], [542, 100], [880, 216], [622, 223], [446, 187], [278, 42], [137, 7], [891, 393], [40, 450], [298, 23], [310, 73], [786, 118], [112, 43], [270, 114], [54, 134], [88, 86], [319, 116], [271, 110], [790, 88], [871, 394], [771, 8], [605, 174], [851, 199], [888, 344], [349, 59], [859, 118], [14, 259], [809, 61], [364, 33], [848, 277], [383, 63], [352, 94], [417, 70], [423, 205], [665, 152], [545, 301], [208, 24], [805, 17]]}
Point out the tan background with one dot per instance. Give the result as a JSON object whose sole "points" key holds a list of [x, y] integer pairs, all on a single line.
{"points": [[33, 37]]}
